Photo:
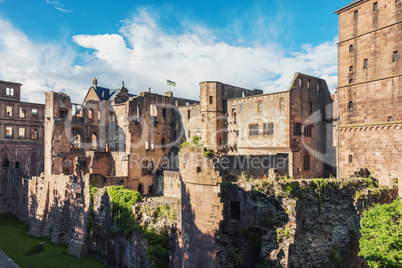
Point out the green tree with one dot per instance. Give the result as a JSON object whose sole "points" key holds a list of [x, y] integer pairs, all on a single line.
{"points": [[381, 235]]}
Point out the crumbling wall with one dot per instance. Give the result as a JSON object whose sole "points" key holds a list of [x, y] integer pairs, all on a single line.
{"points": [[311, 223]]}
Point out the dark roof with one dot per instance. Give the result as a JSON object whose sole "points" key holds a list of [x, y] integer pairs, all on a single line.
{"points": [[348, 5], [105, 93]]}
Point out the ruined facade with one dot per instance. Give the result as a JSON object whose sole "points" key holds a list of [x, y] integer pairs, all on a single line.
{"points": [[21, 138], [369, 89], [293, 128]]}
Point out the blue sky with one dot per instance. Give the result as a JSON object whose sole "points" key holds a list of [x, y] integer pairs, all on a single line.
{"points": [[61, 45]]}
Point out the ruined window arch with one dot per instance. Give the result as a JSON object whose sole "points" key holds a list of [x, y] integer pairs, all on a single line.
{"points": [[75, 138], [350, 106], [94, 141], [6, 163]]}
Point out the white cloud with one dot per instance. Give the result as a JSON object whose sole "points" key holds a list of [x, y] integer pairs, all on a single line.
{"points": [[57, 6], [143, 55]]}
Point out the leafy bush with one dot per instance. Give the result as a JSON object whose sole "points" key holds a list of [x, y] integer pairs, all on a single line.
{"points": [[123, 199], [381, 237], [195, 142]]}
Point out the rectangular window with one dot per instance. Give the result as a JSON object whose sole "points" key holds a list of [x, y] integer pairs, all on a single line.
{"points": [[198, 169], [9, 111], [34, 112], [138, 110], [188, 114], [306, 161], [395, 57], [9, 132], [34, 134], [163, 144], [219, 141], [375, 7], [150, 189], [365, 64], [297, 129], [235, 210], [203, 117], [211, 99], [269, 129], [240, 108], [351, 81], [282, 103], [307, 130], [164, 112], [237, 133], [260, 106], [389, 119], [351, 68], [22, 113], [188, 134], [311, 107], [253, 130], [356, 15], [10, 91], [21, 132]]}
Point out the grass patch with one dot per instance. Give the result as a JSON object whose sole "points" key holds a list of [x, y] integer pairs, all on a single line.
{"points": [[29, 251]]}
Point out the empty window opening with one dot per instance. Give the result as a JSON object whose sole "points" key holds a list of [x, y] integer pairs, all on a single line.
{"points": [[62, 113], [10, 91], [94, 141], [54, 192], [365, 64], [198, 169], [17, 164], [351, 68], [300, 82], [350, 158], [356, 15], [395, 56], [9, 132], [240, 108], [21, 132], [22, 113], [188, 114], [351, 81], [140, 188], [147, 167], [34, 113], [188, 134], [78, 196], [9, 111], [375, 7], [282, 103], [351, 48], [235, 211], [260, 106], [389, 119], [89, 113], [219, 141], [203, 117], [350, 106], [164, 112], [75, 138], [34, 134], [163, 144], [211, 99], [6, 163]]}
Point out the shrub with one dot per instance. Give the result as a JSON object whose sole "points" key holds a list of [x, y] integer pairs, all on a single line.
{"points": [[381, 238]]}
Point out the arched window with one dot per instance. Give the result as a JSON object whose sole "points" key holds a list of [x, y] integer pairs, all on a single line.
{"points": [[94, 141], [17, 164], [350, 106], [75, 138], [351, 48]]}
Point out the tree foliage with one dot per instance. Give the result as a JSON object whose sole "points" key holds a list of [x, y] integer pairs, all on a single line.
{"points": [[381, 235]]}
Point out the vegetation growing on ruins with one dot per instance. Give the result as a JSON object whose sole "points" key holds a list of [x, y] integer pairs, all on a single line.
{"points": [[381, 239], [29, 251], [195, 142], [157, 251]]}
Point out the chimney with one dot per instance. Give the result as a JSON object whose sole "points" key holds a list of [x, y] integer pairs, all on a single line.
{"points": [[95, 83]]}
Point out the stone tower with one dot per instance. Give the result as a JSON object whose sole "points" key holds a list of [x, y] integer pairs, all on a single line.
{"points": [[369, 88]]}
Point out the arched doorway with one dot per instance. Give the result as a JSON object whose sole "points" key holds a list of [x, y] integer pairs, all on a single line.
{"points": [[94, 141], [140, 188]]}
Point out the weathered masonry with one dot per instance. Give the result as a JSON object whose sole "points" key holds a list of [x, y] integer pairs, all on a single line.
{"points": [[369, 88]]}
